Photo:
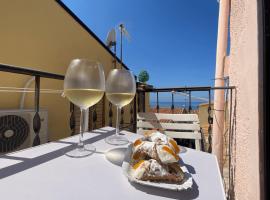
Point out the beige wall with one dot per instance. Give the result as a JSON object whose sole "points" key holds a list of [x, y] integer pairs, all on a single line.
{"points": [[203, 114], [43, 36], [243, 72]]}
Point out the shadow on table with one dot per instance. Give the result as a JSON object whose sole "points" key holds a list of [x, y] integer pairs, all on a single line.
{"points": [[190, 168], [183, 149], [27, 163], [188, 194], [116, 156]]}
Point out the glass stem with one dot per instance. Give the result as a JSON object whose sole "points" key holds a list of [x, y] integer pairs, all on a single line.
{"points": [[80, 144], [117, 120]]}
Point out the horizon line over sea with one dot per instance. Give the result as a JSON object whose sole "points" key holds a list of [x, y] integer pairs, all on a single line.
{"points": [[178, 104]]}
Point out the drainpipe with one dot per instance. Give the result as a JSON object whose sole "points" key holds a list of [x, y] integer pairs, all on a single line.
{"points": [[222, 44]]}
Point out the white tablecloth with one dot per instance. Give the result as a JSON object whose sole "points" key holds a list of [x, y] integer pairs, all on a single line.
{"points": [[46, 173]]}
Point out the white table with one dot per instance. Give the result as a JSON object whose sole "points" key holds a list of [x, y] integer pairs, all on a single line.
{"points": [[46, 173]]}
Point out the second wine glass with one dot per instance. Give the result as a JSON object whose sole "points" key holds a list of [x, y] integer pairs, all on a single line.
{"points": [[120, 90]]}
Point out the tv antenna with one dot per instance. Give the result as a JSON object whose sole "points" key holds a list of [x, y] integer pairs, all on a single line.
{"points": [[111, 38], [123, 32], [111, 42]]}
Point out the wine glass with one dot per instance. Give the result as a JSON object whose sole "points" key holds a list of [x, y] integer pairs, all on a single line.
{"points": [[84, 86], [120, 90]]}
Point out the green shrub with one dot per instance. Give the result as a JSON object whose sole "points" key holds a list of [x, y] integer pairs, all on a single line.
{"points": [[143, 76]]}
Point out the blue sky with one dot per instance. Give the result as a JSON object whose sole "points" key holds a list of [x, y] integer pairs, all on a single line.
{"points": [[174, 40]]}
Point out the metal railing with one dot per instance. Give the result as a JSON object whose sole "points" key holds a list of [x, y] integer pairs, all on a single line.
{"points": [[137, 105], [94, 115], [37, 74], [188, 92]]}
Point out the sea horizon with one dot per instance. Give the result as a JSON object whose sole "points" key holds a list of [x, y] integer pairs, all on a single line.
{"points": [[177, 104]]}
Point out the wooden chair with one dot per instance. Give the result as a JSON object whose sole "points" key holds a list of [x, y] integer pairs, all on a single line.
{"points": [[182, 126]]}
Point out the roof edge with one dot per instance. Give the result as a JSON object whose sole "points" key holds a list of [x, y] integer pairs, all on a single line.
{"points": [[88, 30]]}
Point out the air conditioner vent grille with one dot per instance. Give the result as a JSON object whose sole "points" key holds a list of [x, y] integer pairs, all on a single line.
{"points": [[14, 130]]}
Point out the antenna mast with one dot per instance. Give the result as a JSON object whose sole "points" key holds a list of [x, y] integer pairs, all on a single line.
{"points": [[121, 43]]}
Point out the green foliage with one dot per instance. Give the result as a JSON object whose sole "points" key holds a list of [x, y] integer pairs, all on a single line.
{"points": [[143, 76]]}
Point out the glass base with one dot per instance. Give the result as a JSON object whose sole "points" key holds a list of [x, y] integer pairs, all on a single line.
{"points": [[116, 140], [87, 150]]}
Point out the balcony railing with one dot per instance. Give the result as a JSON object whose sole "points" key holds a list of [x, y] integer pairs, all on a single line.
{"points": [[137, 105], [97, 114], [37, 74]]}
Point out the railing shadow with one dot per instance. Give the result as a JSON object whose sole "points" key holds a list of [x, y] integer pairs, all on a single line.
{"points": [[28, 163], [190, 168]]}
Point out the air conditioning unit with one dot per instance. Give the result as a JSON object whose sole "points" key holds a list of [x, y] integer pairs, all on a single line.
{"points": [[16, 129]]}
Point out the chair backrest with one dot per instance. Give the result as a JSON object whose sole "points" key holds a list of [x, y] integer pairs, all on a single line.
{"points": [[182, 126]]}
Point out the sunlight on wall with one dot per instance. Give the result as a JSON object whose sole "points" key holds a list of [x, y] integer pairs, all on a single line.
{"points": [[43, 36]]}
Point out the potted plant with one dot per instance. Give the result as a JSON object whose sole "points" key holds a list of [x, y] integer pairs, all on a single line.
{"points": [[143, 76]]}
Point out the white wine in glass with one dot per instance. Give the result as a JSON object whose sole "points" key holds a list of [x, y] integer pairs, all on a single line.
{"points": [[84, 86], [120, 91], [84, 98], [120, 99]]}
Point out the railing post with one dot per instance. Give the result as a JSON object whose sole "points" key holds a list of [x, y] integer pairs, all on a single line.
{"points": [[36, 119], [172, 106], [110, 114], [230, 188], [134, 124], [144, 101], [135, 113], [94, 117], [210, 122], [189, 102], [139, 101], [72, 119], [184, 111], [131, 114], [157, 103], [122, 116], [103, 110]]}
